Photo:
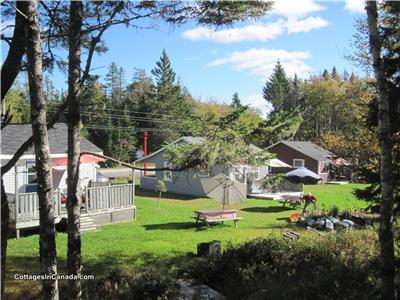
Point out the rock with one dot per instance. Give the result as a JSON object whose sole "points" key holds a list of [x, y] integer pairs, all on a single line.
{"points": [[197, 291]]}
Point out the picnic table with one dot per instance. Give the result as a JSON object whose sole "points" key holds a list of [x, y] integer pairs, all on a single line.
{"points": [[216, 216], [293, 200]]}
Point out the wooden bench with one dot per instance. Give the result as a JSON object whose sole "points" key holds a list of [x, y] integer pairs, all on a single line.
{"points": [[216, 216]]}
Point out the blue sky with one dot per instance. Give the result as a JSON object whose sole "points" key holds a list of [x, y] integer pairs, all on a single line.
{"points": [[307, 36]]}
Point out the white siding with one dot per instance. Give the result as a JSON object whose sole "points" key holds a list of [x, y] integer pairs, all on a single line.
{"points": [[9, 179], [87, 173]]}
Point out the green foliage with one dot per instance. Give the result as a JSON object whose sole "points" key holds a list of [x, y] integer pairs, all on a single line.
{"points": [[280, 125], [235, 104], [277, 89], [163, 72], [216, 148], [325, 268], [161, 186], [97, 124], [124, 285], [18, 103]]}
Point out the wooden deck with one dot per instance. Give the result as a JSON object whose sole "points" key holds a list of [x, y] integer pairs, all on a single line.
{"points": [[104, 204]]}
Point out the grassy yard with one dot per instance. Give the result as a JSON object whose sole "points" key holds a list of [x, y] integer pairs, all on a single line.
{"points": [[164, 236]]}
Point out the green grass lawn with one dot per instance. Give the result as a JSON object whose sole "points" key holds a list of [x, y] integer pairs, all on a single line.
{"points": [[164, 236]]}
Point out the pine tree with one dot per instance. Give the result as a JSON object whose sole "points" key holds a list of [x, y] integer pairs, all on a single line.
{"points": [[277, 88], [325, 74], [163, 72], [236, 101], [115, 81], [170, 99], [294, 95], [95, 114], [335, 74], [124, 142], [141, 97]]}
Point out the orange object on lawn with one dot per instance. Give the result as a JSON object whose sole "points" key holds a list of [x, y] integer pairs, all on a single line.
{"points": [[294, 217]]}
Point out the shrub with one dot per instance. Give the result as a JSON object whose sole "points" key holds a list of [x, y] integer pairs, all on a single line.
{"points": [[332, 267], [145, 286]]}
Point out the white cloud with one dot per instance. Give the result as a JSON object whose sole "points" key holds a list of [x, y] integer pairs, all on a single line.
{"points": [[295, 8], [255, 32], [305, 25], [262, 61], [257, 102], [261, 32], [354, 6]]}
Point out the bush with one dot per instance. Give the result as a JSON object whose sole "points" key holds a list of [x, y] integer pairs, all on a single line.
{"points": [[333, 267], [145, 286]]}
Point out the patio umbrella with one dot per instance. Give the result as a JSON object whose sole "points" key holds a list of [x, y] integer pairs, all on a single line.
{"points": [[277, 163], [302, 175], [224, 190]]}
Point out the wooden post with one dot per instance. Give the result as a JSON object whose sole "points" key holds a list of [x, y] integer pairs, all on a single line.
{"points": [[133, 184], [59, 202], [87, 199], [16, 193]]}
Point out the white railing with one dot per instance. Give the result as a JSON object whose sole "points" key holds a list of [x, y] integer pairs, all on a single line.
{"points": [[24, 207], [108, 197]]}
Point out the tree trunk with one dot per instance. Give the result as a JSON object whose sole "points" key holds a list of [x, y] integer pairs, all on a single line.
{"points": [[48, 256], [9, 71], [12, 64], [74, 123], [5, 216], [386, 168]]}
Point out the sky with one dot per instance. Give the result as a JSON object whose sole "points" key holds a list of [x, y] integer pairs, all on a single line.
{"points": [[306, 36]]}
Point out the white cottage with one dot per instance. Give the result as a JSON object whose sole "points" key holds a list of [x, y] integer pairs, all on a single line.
{"points": [[188, 182], [22, 178]]}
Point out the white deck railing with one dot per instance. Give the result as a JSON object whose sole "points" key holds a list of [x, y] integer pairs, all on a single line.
{"points": [[24, 207]]}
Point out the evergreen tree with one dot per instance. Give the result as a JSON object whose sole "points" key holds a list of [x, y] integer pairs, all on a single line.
{"points": [[325, 74], [171, 104], [294, 99], [115, 81], [95, 117], [163, 72], [236, 104], [335, 74], [141, 97], [124, 137], [277, 88]]}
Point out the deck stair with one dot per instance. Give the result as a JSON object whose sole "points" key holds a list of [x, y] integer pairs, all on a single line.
{"points": [[87, 224]]}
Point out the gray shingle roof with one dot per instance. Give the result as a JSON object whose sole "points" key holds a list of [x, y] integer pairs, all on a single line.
{"points": [[13, 135], [310, 149]]}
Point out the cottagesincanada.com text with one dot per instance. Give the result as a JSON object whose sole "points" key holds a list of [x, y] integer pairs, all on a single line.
{"points": [[35, 277]]}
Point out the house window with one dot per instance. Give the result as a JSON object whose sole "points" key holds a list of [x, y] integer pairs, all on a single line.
{"points": [[298, 163], [239, 174], [167, 173], [206, 173], [256, 173], [31, 173]]}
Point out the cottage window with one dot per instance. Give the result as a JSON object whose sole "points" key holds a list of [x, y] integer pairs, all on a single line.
{"points": [[206, 173], [167, 173], [239, 174], [298, 163], [31, 173]]}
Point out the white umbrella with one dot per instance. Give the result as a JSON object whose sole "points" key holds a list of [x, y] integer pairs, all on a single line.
{"points": [[277, 163], [224, 190]]}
